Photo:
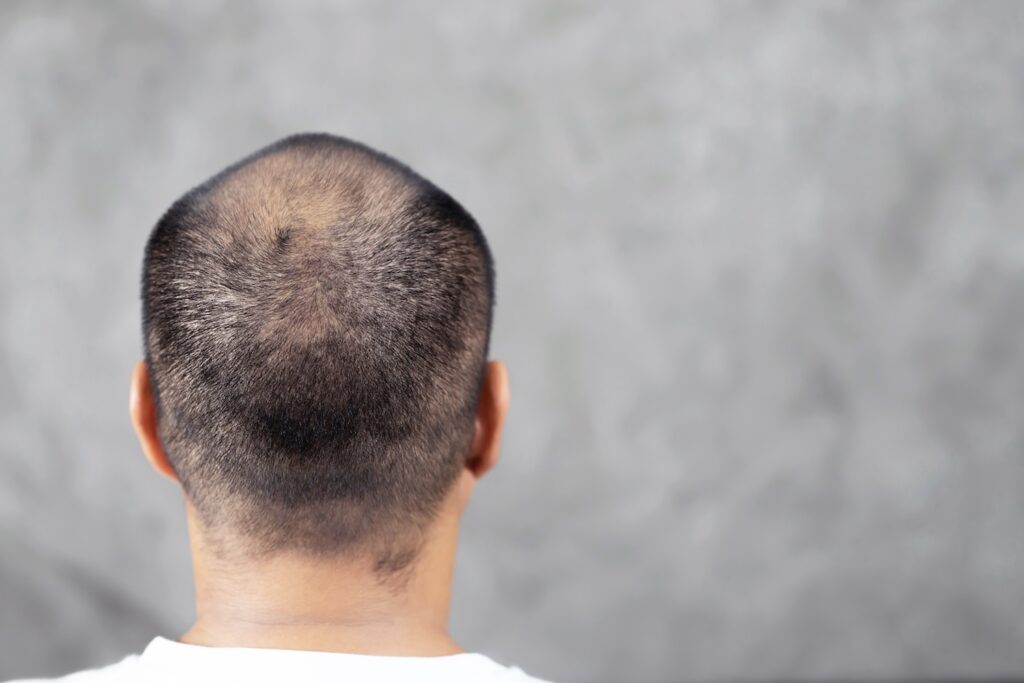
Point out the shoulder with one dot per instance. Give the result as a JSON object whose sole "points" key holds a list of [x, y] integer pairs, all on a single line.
{"points": [[513, 674], [516, 675], [120, 672]]}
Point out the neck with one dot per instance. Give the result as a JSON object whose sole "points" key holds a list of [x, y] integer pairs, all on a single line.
{"points": [[296, 602]]}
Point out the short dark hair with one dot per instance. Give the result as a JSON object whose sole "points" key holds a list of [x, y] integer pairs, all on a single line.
{"points": [[316, 321]]}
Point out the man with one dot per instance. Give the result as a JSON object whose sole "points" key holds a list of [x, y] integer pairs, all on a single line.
{"points": [[316, 321]]}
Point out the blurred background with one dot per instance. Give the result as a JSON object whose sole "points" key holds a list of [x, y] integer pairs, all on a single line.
{"points": [[761, 293]]}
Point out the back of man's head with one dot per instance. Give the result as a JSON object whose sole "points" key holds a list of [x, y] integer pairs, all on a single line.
{"points": [[316, 321]]}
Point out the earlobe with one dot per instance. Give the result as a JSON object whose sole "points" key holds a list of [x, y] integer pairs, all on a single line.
{"points": [[142, 411]]}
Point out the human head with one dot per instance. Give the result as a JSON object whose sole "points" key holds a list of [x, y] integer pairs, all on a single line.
{"points": [[316, 322]]}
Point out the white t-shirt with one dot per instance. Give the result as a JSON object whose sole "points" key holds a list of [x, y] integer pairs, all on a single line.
{"points": [[168, 661]]}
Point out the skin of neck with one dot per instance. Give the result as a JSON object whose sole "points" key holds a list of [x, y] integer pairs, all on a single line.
{"points": [[333, 604]]}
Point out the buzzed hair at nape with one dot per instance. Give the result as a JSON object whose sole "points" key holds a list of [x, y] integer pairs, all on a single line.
{"points": [[316, 321]]}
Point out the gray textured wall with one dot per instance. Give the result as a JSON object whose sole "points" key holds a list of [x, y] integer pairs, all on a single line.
{"points": [[761, 293]]}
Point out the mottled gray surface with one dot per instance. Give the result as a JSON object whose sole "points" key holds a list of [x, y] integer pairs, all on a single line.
{"points": [[761, 292]]}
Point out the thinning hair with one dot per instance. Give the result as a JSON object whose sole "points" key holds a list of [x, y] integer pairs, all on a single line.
{"points": [[316, 320]]}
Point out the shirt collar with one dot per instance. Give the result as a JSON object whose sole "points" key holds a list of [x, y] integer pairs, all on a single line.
{"points": [[198, 662]]}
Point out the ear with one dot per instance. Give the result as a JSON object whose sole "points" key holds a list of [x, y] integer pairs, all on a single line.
{"points": [[142, 409], [490, 420]]}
